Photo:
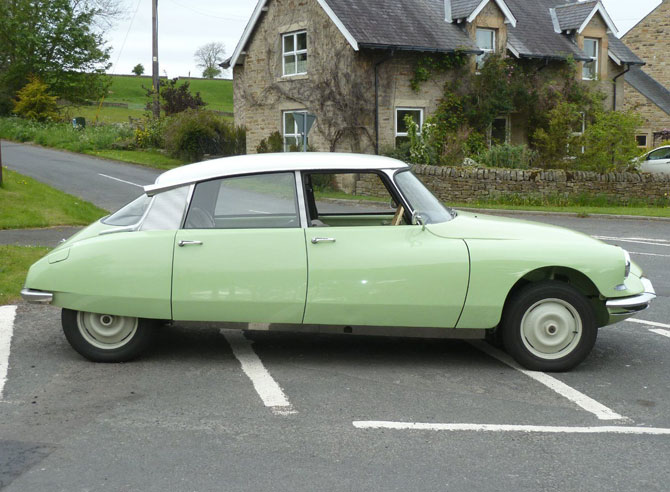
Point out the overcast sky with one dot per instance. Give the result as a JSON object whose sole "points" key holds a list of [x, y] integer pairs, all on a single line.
{"points": [[185, 25]]}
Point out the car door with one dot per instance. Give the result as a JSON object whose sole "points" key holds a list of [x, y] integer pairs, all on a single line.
{"points": [[657, 161], [376, 273], [240, 255]]}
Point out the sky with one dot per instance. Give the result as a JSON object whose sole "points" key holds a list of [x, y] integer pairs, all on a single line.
{"points": [[185, 25]]}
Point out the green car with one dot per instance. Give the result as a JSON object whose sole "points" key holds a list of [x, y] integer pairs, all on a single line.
{"points": [[324, 243]]}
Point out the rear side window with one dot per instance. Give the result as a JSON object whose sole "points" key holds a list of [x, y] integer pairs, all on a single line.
{"points": [[166, 211], [129, 214], [259, 201]]}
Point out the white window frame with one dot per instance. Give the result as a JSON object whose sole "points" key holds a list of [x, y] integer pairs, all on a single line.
{"points": [[294, 133], [404, 134], [480, 58], [293, 53], [595, 61]]}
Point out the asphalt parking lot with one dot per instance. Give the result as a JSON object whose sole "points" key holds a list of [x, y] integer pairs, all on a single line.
{"points": [[207, 409]]}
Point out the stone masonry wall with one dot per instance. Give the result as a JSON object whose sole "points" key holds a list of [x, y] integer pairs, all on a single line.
{"points": [[466, 185]]}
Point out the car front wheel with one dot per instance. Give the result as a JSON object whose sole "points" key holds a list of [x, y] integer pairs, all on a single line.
{"points": [[106, 337], [549, 326]]}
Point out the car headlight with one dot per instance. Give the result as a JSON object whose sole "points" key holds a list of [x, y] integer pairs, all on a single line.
{"points": [[626, 255]]}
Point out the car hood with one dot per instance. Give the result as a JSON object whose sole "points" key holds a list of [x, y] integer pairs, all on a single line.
{"points": [[468, 225]]}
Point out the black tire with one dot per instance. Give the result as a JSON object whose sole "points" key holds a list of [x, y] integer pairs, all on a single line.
{"points": [[549, 326], [118, 339]]}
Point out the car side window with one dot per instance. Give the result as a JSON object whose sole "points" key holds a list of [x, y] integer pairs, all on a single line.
{"points": [[166, 211], [659, 154], [259, 201], [350, 199]]}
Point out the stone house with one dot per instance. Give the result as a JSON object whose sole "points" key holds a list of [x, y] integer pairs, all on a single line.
{"points": [[350, 62], [647, 89]]}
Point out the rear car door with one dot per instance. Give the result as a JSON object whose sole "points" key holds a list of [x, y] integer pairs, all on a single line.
{"points": [[240, 255]]}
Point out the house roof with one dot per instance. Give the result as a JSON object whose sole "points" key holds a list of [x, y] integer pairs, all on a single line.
{"points": [[621, 53], [416, 25], [535, 29], [649, 87], [535, 35]]}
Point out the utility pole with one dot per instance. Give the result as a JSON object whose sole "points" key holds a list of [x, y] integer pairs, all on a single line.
{"points": [[154, 53], [0, 162]]}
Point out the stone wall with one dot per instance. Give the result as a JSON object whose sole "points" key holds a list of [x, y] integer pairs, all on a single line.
{"points": [[458, 184], [467, 185]]}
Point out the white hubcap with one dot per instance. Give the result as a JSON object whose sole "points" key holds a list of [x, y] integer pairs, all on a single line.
{"points": [[106, 331], [551, 328]]}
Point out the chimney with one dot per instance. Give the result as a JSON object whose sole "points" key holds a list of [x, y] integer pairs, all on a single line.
{"points": [[447, 11]]}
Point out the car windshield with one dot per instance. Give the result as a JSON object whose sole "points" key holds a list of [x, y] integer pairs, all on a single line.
{"points": [[421, 200], [129, 214]]}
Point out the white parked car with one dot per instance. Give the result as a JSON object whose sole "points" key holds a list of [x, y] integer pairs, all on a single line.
{"points": [[656, 161]]}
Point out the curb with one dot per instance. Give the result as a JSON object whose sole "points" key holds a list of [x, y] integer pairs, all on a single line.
{"points": [[494, 211]]}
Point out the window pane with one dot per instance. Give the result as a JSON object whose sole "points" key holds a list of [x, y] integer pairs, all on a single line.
{"points": [[289, 65], [129, 214], [590, 47], [415, 114], [302, 41], [485, 39], [589, 71], [289, 123], [247, 202], [302, 63], [289, 43], [166, 211], [499, 131], [292, 144], [349, 194]]}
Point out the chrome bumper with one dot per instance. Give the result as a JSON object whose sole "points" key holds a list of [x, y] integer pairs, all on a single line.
{"points": [[37, 296], [626, 306]]}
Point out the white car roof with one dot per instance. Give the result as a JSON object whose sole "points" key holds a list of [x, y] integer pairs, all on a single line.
{"points": [[259, 163]]}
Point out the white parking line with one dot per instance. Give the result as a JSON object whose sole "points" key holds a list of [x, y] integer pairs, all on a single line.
{"points": [[578, 398], [120, 180], [7, 315], [648, 323], [637, 240], [266, 387], [648, 254], [381, 424], [660, 331]]}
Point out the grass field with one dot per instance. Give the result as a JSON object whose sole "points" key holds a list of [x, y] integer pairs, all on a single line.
{"points": [[14, 264], [217, 93], [151, 158], [27, 203]]}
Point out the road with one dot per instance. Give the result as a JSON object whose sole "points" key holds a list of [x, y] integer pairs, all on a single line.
{"points": [[107, 184], [197, 411]]}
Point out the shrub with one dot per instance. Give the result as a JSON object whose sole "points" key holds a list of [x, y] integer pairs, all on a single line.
{"points": [[191, 134], [273, 143], [176, 98], [509, 156], [149, 133], [34, 102], [609, 142]]}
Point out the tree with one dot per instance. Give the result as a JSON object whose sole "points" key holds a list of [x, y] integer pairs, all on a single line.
{"points": [[208, 57], [59, 41], [176, 98], [138, 69], [35, 103]]}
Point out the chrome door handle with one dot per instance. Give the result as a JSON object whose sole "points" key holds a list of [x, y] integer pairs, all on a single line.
{"points": [[183, 243], [316, 240]]}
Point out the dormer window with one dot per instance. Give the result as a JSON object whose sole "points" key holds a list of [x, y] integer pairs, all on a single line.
{"points": [[590, 69], [294, 53], [486, 41]]}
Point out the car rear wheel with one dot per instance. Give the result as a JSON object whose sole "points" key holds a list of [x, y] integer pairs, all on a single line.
{"points": [[549, 326], [106, 337]]}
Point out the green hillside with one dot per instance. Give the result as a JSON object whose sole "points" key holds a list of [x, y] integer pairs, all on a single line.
{"points": [[217, 93]]}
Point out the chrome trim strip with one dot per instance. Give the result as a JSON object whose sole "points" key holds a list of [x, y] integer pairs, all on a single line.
{"points": [[634, 302], [301, 200], [36, 296]]}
